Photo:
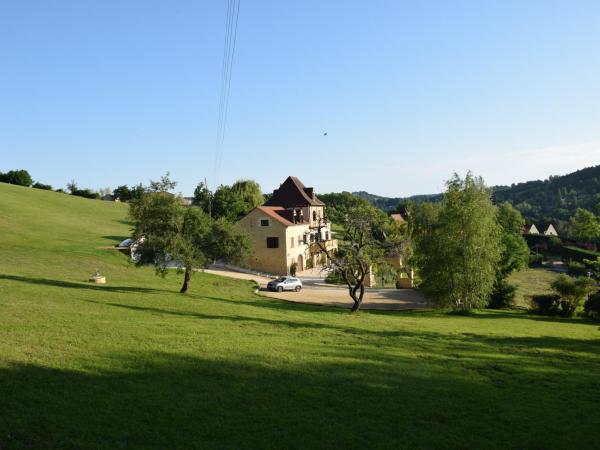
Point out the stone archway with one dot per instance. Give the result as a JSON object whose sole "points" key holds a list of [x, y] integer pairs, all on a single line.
{"points": [[300, 263]]}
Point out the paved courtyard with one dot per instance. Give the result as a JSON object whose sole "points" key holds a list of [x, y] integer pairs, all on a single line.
{"points": [[317, 292]]}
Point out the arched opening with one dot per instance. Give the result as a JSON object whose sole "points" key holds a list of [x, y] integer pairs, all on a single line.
{"points": [[300, 263]]}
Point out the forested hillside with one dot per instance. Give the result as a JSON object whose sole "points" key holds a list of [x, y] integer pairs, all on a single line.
{"points": [[554, 198], [557, 197]]}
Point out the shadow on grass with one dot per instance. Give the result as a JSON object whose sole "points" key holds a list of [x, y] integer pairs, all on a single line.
{"points": [[116, 239], [77, 285], [499, 314], [159, 400]]}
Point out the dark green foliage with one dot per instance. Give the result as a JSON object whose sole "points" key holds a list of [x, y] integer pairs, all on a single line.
{"points": [[19, 177], [592, 306], [535, 259], [339, 205], [391, 204], [122, 193], [293, 269], [555, 198], [86, 193], [584, 226], [503, 295], [203, 197], [546, 304], [515, 252], [577, 269], [38, 185]]}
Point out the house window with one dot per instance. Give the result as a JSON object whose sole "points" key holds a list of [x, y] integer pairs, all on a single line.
{"points": [[299, 239], [327, 235], [304, 239], [292, 242], [314, 216], [272, 242], [264, 222]]}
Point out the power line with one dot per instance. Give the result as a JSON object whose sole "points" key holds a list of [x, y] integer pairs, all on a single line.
{"points": [[231, 25]]}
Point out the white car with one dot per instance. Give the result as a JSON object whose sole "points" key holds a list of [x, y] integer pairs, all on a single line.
{"points": [[285, 284]]}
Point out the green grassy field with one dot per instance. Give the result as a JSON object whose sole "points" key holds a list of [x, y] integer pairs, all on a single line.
{"points": [[133, 364], [531, 282]]}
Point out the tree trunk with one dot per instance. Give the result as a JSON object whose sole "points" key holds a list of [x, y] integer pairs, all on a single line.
{"points": [[186, 280], [357, 299]]}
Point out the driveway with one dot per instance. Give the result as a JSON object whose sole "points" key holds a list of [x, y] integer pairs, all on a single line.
{"points": [[317, 292]]}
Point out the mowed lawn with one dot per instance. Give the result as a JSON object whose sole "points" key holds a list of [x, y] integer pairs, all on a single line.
{"points": [[134, 364]]}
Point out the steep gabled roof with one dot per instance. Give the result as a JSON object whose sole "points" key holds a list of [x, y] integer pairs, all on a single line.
{"points": [[292, 193]]}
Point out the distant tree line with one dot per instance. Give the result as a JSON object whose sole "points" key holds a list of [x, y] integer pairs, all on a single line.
{"points": [[19, 177]]}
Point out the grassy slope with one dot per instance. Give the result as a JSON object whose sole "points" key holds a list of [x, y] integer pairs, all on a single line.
{"points": [[531, 282], [133, 364]]}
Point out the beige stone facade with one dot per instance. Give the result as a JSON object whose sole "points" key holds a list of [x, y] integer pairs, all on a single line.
{"points": [[285, 230]]}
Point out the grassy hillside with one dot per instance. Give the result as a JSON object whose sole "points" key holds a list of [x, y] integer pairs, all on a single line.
{"points": [[133, 364]]}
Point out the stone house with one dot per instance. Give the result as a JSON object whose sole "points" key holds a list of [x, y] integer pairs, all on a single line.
{"points": [[284, 230]]}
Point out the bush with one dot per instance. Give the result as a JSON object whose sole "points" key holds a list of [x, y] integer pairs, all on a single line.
{"points": [[18, 177], [309, 263], [503, 296], [38, 185], [86, 193], [535, 259], [592, 306], [293, 269], [546, 304], [334, 278], [572, 292], [577, 269]]}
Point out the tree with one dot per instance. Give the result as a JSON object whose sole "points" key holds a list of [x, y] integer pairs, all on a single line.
{"points": [[72, 186], [231, 202], [167, 233], [514, 254], [457, 245], [122, 193], [18, 177], [165, 184], [366, 237], [203, 198], [340, 204], [584, 225]]}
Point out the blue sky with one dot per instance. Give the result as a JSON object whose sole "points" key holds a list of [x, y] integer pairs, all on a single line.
{"points": [[112, 92]]}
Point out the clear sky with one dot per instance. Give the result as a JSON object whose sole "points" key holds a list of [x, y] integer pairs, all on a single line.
{"points": [[111, 92]]}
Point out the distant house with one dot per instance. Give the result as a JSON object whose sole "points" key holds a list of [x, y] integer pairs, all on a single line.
{"points": [[397, 218], [285, 229], [548, 227], [187, 201], [550, 231], [109, 198]]}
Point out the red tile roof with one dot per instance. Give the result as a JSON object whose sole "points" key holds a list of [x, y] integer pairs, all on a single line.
{"points": [[274, 212]]}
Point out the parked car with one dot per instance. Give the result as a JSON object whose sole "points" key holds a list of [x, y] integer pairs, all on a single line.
{"points": [[285, 284]]}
